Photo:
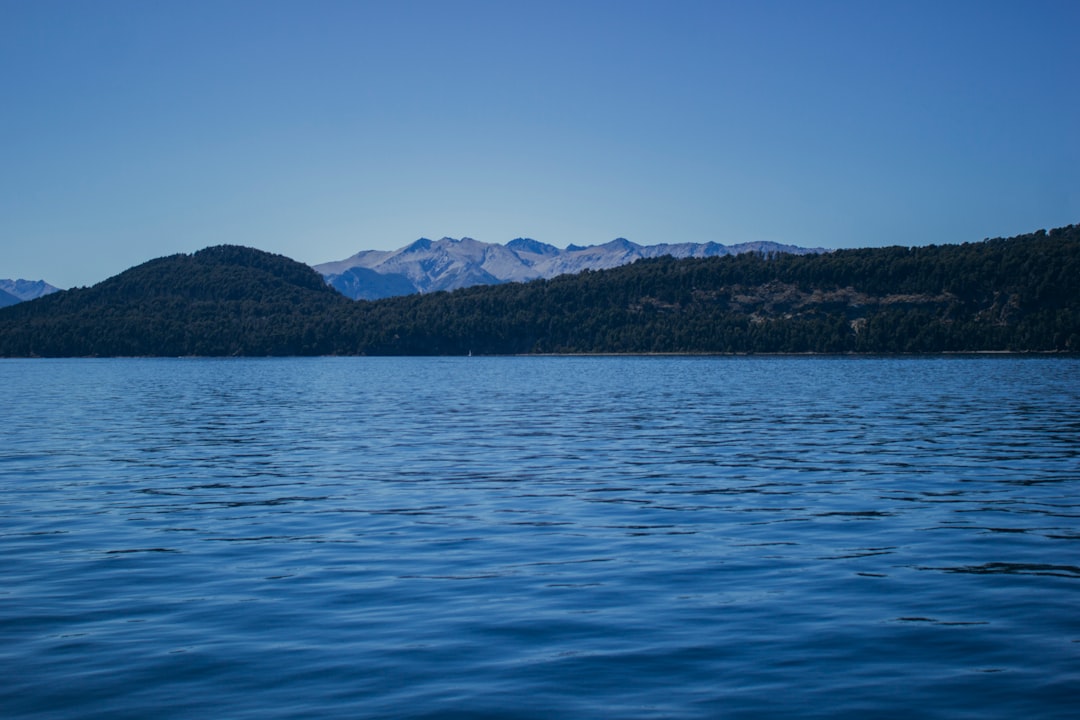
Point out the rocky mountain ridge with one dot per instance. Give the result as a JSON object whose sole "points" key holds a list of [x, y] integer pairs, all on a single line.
{"points": [[17, 291], [426, 266]]}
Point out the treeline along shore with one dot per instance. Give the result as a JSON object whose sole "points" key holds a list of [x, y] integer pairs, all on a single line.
{"points": [[1019, 294]]}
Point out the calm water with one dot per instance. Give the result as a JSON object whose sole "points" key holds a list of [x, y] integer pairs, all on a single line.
{"points": [[540, 537]]}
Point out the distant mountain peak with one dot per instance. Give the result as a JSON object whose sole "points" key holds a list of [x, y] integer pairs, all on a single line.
{"points": [[528, 245], [20, 290], [417, 245]]}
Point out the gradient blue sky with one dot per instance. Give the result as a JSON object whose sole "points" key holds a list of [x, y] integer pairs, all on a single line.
{"points": [[316, 129]]}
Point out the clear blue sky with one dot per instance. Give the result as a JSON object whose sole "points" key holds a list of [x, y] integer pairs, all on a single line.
{"points": [[316, 129]]}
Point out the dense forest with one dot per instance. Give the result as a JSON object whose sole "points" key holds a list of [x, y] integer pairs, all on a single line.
{"points": [[1019, 294], [224, 300]]}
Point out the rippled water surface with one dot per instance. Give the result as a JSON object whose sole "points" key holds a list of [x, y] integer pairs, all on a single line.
{"points": [[540, 537]]}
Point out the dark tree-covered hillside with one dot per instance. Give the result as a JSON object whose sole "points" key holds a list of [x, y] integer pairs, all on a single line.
{"points": [[224, 300], [1019, 294]]}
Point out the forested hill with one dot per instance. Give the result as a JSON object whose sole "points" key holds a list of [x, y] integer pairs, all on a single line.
{"points": [[1017, 294], [224, 300]]}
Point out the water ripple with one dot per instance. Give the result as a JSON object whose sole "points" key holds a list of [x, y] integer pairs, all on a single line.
{"points": [[539, 537]]}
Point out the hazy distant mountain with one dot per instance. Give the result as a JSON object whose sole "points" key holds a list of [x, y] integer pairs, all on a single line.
{"points": [[361, 283], [22, 290], [448, 264]]}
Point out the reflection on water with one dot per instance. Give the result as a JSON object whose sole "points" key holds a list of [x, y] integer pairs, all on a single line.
{"points": [[539, 537]]}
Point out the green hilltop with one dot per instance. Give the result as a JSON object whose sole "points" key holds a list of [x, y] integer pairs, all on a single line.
{"points": [[1020, 294], [224, 300]]}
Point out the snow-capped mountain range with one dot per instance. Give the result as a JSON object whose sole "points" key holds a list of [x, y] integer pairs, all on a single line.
{"points": [[448, 264]]}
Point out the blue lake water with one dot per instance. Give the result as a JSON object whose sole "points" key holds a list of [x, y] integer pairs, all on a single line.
{"points": [[637, 537]]}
